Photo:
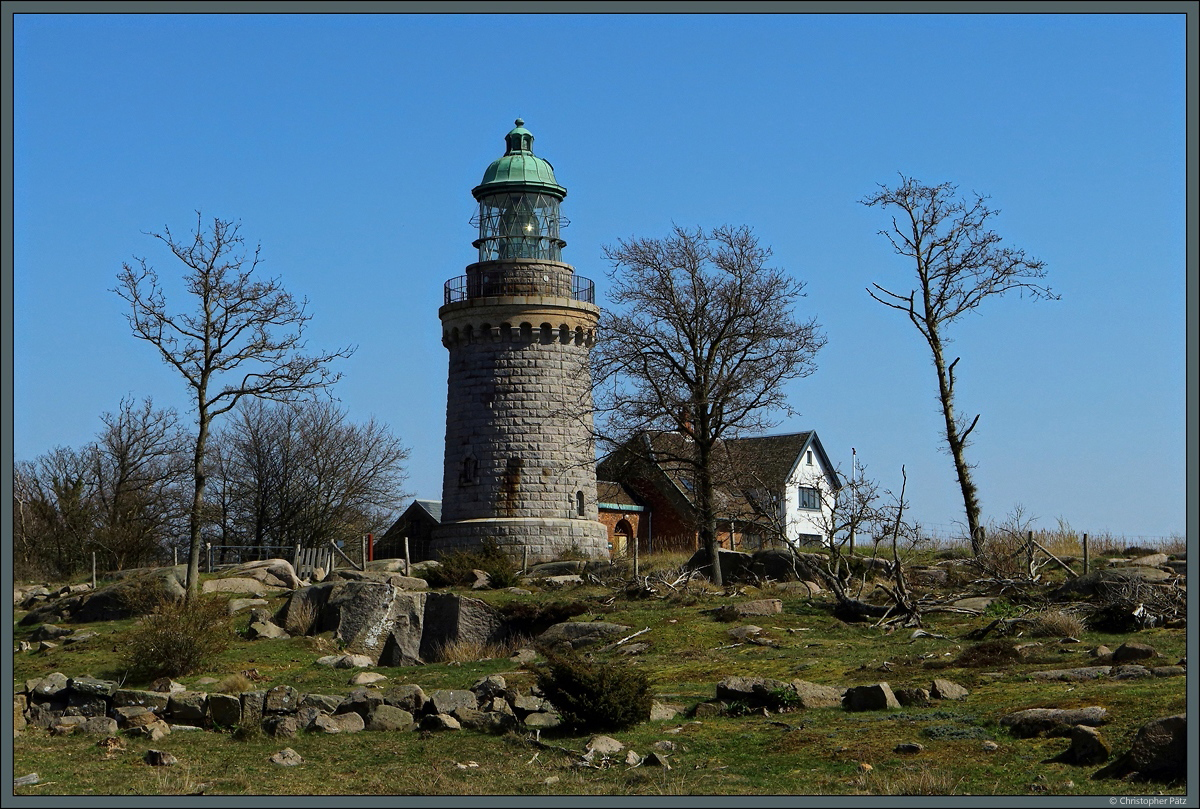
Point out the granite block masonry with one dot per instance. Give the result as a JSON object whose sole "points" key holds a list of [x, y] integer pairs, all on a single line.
{"points": [[519, 465]]}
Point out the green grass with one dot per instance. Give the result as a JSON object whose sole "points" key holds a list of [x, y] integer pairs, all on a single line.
{"points": [[816, 752]]}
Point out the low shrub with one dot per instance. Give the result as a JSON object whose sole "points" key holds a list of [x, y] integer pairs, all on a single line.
{"points": [[531, 618], [591, 695], [1056, 624], [178, 637], [457, 568], [989, 653]]}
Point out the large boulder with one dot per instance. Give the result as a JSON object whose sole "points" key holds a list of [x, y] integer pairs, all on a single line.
{"points": [[578, 634], [129, 596], [451, 618], [735, 565], [271, 572], [369, 618], [1102, 582], [877, 697], [240, 585], [1158, 752], [397, 580], [1052, 721]]}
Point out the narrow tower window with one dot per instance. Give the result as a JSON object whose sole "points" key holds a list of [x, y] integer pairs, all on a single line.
{"points": [[579, 503]]}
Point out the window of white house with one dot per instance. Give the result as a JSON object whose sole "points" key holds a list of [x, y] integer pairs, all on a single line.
{"points": [[810, 498], [810, 457]]}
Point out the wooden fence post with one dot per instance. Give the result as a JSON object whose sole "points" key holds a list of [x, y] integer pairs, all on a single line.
{"points": [[635, 556], [407, 559], [93, 571], [1085, 555], [524, 559]]}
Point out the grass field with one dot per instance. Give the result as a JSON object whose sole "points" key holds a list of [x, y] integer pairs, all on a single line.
{"points": [[818, 752]]}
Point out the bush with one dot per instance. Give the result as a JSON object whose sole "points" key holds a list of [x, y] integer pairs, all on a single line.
{"points": [[178, 638], [594, 696], [1056, 624], [457, 568], [531, 618]]}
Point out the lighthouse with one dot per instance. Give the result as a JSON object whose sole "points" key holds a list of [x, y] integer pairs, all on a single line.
{"points": [[519, 325]]}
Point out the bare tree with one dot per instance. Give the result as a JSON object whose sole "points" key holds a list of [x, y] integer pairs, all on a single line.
{"points": [[137, 465], [701, 341], [244, 337], [55, 512], [959, 264]]}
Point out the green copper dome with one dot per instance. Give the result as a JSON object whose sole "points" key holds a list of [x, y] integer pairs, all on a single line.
{"points": [[519, 168]]}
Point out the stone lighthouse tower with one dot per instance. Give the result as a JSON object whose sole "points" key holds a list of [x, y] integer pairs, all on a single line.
{"points": [[520, 463]]}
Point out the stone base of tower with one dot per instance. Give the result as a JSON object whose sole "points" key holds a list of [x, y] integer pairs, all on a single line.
{"points": [[546, 538]]}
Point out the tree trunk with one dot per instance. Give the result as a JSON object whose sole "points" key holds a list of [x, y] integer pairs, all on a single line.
{"points": [[708, 514], [194, 518], [956, 443]]}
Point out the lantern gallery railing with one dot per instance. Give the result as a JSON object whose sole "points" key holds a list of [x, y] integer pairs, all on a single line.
{"points": [[470, 287]]}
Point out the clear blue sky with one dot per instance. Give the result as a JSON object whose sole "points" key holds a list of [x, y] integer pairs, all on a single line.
{"points": [[348, 146]]}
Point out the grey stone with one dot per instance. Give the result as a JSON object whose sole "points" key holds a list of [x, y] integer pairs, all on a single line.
{"points": [[1130, 672], [225, 710], [1158, 752], [1087, 748], [160, 758], [265, 631], [323, 702], [407, 696], [238, 604], [762, 606], [1073, 675], [542, 719], [270, 572], [395, 579], [253, 703], [46, 646], [246, 586], [527, 703], [133, 716], [41, 715], [523, 657], [1097, 582], [367, 678], [361, 701], [287, 757], [559, 582], [1051, 721], [812, 695], [449, 701], [78, 637], [99, 726], [281, 699], [908, 748], [579, 634], [1168, 671], [492, 685], [605, 745], [86, 705], [187, 707], [49, 632], [877, 697], [113, 602], [349, 722], [387, 718], [281, 725], [452, 618], [945, 689], [47, 687], [472, 718], [153, 731], [354, 662], [705, 710], [440, 721], [662, 711], [1131, 651], [736, 566], [912, 697]]}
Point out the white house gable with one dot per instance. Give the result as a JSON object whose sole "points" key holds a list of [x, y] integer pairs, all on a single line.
{"points": [[809, 493]]}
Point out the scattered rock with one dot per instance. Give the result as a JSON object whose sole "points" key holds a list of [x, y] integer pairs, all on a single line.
{"points": [[662, 711], [945, 689], [1158, 752], [912, 697], [579, 634], [910, 748], [440, 721], [389, 718], [287, 757], [266, 631], [1087, 748], [1073, 675], [160, 758], [238, 604], [812, 695], [367, 677], [1130, 651], [989, 746], [878, 697], [1052, 721], [762, 606], [604, 745]]}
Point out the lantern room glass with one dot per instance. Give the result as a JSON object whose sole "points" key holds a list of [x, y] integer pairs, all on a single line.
{"points": [[519, 224]]}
